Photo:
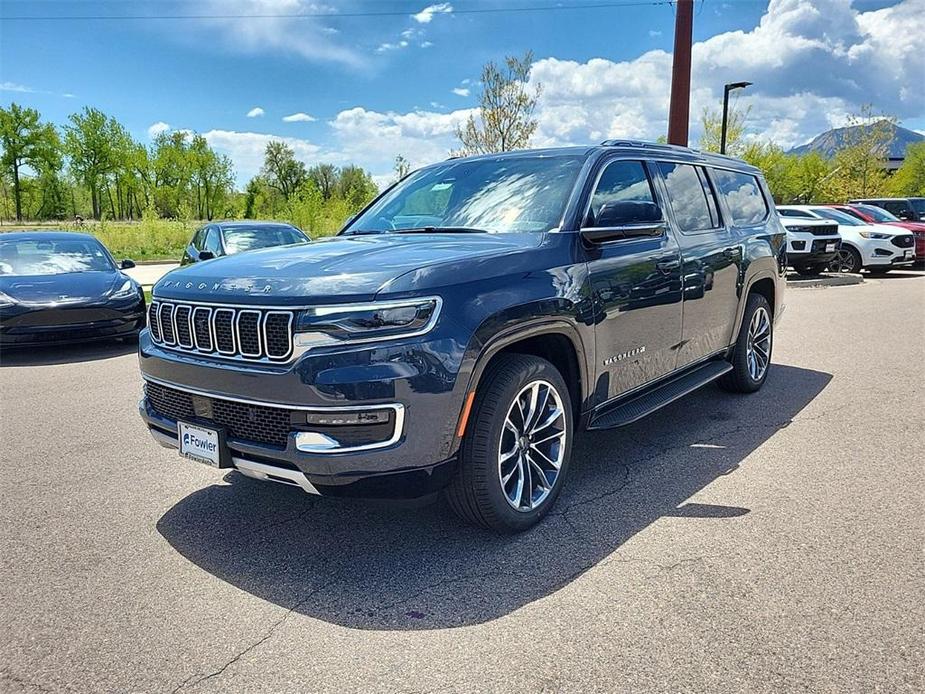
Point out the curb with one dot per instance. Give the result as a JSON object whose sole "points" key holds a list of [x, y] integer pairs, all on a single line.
{"points": [[824, 281]]}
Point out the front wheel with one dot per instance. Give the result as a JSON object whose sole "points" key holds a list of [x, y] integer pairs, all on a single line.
{"points": [[751, 356], [514, 456], [847, 260]]}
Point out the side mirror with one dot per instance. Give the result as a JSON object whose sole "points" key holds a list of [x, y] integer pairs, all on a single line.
{"points": [[619, 213], [127, 264], [206, 255], [905, 215]]}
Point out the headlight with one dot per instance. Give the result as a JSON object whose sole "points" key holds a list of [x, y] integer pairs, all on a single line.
{"points": [[126, 291], [6, 301], [372, 322], [875, 235]]}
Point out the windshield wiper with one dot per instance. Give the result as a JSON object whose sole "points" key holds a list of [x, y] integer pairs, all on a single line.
{"points": [[440, 230], [363, 232]]}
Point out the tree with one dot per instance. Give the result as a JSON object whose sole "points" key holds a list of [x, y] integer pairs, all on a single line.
{"points": [[325, 177], [281, 169], [355, 186], [861, 160], [91, 142], [712, 136], [27, 142], [909, 179], [506, 106], [402, 167]]}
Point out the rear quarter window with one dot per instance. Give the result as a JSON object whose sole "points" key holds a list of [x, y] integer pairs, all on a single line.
{"points": [[743, 196]]}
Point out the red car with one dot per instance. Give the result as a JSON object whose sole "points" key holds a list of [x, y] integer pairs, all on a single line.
{"points": [[877, 215]]}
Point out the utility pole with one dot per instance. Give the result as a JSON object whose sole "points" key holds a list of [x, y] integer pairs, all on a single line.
{"points": [[679, 110]]}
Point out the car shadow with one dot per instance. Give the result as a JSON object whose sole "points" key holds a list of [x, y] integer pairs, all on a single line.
{"points": [[376, 566], [64, 354]]}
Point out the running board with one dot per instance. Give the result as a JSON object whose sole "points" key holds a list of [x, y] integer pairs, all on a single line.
{"points": [[639, 406]]}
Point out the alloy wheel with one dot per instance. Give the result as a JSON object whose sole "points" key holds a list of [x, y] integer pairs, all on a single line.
{"points": [[844, 261], [532, 446], [758, 347]]}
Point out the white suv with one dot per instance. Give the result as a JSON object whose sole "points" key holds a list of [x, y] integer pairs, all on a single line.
{"points": [[874, 247], [812, 244]]}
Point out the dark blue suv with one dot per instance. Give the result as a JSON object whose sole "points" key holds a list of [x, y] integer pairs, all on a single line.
{"points": [[463, 327]]}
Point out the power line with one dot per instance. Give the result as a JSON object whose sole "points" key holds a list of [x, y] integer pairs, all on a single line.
{"points": [[339, 15]]}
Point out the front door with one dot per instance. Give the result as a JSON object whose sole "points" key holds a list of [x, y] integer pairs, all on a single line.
{"points": [[711, 257], [635, 282]]}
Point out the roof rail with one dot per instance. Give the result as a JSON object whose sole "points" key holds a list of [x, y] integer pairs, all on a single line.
{"points": [[643, 143]]}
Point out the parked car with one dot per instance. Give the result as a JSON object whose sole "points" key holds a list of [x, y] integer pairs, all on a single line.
{"points": [[468, 322], [877, 248], [812, 244], [877, 215], [58, 287], [227, 238], [906, 209]]}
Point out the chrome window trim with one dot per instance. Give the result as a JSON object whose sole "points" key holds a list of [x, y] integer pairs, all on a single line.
{"points": [[215, 315], [260, 330], [396, 407], [208, 323], [266, 343]]}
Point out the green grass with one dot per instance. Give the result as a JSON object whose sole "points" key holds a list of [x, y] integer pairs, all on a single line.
{"points": [[150, 239]]}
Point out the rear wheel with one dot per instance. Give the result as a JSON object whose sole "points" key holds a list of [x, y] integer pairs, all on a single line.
{"points": [[515, 454], [751, 356]]}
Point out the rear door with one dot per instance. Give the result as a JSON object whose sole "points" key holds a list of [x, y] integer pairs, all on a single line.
{"points": [[635, 279], [711, 256]]}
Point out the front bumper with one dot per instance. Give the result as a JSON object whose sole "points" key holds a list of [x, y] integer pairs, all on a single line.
{"points": [[416, 381], [806, 249], [52, 326], [883, 253]]}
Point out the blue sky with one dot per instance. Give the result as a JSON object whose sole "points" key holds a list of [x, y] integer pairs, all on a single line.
{"points": [[343, 87]]}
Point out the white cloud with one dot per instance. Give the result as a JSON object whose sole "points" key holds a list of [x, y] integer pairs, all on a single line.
{"points": [[812, 62], [14, 87], [426, 15], [460, 91], [299, 118], [273, 26], [246, 150], [156, 129], [255, 112]]}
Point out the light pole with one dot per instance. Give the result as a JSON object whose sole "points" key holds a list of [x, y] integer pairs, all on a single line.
{"points": [[726, 89]]}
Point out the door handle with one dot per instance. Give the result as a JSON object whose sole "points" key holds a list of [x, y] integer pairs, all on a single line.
{"points": [[667, 266], [733, 253]]}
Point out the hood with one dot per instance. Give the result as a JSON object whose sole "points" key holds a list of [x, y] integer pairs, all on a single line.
{"points": [[62, 289], [339, 269]]}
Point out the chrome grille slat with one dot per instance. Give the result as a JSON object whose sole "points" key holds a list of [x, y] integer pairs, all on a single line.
{"points": [[233, 332]]}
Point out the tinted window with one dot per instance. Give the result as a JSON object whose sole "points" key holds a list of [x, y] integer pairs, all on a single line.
{"points": [[687, 196], [742, 195], [239, 239], [199, 239], [213, 243], [840, 217], [45, 257], [795, 213], [918, 204], [895, 206], [621, 181], [875, 213], [496, 194]]}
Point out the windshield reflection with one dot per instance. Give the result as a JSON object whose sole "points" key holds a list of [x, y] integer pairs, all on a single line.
{"points": [[39, 257]]}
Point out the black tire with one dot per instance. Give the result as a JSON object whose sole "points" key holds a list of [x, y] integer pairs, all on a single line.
{"points": [[476, 493], [849, 260], [740, 379]]}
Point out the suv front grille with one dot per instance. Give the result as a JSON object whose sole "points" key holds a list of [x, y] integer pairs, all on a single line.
{"points": [[903, 241], [268, 425], [235, 332]]}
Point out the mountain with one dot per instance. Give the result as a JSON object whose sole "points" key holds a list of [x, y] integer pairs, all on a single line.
{"points": [[832, 140]]}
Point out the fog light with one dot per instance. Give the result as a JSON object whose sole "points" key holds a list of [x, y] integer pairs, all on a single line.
{"points": [[344, 419]]}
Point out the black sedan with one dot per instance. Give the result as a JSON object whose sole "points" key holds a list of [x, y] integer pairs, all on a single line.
{"points": [[226, 238], [60, 287]]}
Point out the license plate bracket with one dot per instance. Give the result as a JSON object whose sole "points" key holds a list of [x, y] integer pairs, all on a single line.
{"points": [[830, 247], [203, 444]]}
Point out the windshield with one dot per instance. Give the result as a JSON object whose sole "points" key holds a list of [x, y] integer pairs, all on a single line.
{"points": [[44, 257], [878, 214], [500, 194], [239, 239], [839, 217]]}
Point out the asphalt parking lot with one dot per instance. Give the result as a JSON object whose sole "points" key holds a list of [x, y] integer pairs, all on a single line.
{"points": [[771, 542]]}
